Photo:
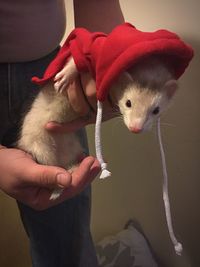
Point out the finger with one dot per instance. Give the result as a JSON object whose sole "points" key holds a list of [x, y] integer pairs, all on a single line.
{"points": [[77, 99], [57, 86], [64, 70], [59, 75], [63, 87], [55, 127], [82, 177], [72, 126], [61, 84], [89, 89], [48, 177]]}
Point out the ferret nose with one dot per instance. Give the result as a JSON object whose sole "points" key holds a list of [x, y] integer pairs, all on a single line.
{"points": [[135, 129]]}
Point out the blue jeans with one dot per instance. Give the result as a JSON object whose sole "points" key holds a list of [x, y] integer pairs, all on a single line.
{"points": [[59, 236]]}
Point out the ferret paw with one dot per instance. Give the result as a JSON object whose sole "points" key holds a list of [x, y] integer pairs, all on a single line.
{"points": [[66, 76], [56, 194], [62, 83]]}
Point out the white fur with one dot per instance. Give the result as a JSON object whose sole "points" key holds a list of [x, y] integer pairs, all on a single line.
{"points": [[151, 85], [47, 148], [65, 76], [148, 85]]}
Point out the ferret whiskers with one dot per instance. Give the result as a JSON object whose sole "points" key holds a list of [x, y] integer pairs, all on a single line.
{"points": [[164, 124]]}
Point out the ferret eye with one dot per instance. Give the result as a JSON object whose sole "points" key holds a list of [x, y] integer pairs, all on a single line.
{"points": [[156, 111], [128, 103]]}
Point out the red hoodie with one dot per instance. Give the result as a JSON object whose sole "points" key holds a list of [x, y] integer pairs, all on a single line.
{"points": [[106, 56]]}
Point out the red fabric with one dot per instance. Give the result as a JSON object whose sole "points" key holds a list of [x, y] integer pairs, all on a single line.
{"points": [[106, 56]]}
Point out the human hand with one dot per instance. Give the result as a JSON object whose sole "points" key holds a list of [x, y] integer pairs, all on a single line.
{"points": [[32, 184], [82, 97]]}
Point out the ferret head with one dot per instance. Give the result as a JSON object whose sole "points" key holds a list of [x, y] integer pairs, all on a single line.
{"points": [[140, 105]]}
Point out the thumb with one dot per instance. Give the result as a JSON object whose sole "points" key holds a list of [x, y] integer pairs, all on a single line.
{"points": [[69, 127], [50, 177]]}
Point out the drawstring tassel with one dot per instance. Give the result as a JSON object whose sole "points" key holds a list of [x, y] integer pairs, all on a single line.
{"points": [[178, 246], [105, 173]]}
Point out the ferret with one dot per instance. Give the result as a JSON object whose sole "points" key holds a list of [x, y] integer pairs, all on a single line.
{"points": [[141, 94]]}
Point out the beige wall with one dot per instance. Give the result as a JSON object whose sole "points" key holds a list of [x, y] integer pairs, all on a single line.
{"points": [[134, 191]]}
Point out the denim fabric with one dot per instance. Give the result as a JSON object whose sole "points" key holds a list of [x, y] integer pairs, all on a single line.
{"points": [[59, 236]]}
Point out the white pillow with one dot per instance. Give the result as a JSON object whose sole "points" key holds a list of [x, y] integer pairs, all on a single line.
{"points": [[127, 248]]}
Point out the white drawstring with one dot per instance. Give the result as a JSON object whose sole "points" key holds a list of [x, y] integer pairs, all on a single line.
{"points": [[105, 173], [178, 246]]}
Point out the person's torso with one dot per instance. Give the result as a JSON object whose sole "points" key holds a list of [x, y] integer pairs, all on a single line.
{"points": [[30, 29]]}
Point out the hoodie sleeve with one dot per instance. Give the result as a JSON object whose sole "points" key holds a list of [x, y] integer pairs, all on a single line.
{"points": [[78, 45]]}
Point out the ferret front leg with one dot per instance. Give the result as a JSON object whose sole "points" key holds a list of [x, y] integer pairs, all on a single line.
{"points": [[65, 76]]}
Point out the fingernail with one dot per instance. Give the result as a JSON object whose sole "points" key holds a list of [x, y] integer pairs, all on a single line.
{"points": [[63, 179]]}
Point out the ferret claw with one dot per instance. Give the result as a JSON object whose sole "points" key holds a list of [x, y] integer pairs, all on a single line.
{"points": [[65, 76], [63, 83], [56, 194]]}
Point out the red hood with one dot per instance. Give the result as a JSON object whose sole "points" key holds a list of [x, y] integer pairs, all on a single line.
{"points": [[106, 56]]}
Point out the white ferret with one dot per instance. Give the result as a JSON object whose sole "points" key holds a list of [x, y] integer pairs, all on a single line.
{"points": [[141, 94]]}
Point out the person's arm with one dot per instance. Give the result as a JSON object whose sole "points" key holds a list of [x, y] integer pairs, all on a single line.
{"points": [[31, 183], [95, 15]]}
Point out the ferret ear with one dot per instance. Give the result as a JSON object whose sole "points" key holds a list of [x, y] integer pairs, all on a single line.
{"points": [[125, 77], [122, 82], [128, 76], [170, 88]]}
